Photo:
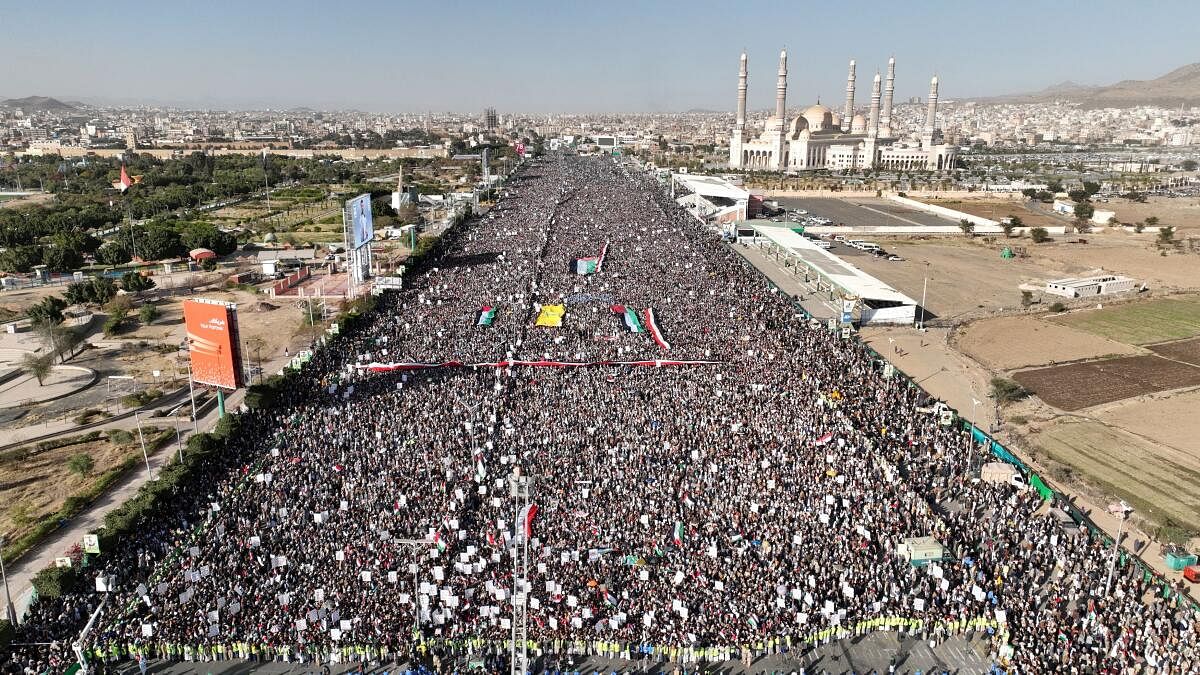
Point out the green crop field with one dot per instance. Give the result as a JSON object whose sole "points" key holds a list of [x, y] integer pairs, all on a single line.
{"points": [[1140, 323]]}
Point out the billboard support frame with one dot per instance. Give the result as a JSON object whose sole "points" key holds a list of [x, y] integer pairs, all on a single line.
{"points": [[358, 253]]}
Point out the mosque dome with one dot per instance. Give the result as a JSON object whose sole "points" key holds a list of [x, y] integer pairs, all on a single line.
{"points": [[818, 117], [858, 125], [799, 124]]}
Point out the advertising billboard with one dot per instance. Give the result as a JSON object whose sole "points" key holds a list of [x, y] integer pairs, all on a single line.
{"points": [[212, 336], [360, 229]]}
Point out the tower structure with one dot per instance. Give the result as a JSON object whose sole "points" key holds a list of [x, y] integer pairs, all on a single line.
{"points": [[738, 137], [872, 141], [848, 109], [930, 130], [777, 132], [889, 88]]}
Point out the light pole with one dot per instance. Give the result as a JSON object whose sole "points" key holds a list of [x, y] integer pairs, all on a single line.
{"points": [[10, 612], [142, 439], [924, 290], [1124, 510], [416, 545], [179, 442], [191, 387]]}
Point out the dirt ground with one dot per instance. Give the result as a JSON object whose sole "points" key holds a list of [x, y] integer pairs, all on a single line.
{"points": [[997, 209], [1011, 342], [36, 486], [1169, 420], [1187, 351], [1181, 212], [1156, 480], [966, 279], [1082, 385], [31, 200]]}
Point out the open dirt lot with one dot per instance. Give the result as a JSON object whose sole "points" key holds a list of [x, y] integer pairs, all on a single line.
{"points": [[996, 209], [965, 278], [1011, 342], [1187, 351], [35, 486], [1157, 481], [1141, 322], [1182, 212], [1133, 255], [1169, 420], [1081, 385]]}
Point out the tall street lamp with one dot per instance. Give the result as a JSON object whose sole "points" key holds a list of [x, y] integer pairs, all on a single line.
{"points": [[10, 612], [1122, 510]]}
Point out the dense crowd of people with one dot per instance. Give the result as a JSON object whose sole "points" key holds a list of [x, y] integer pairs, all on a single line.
{"points": [[749, 503]]}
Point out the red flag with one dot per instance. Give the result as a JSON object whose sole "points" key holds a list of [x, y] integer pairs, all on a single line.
{"points": [[125, 181], [527, 516]]}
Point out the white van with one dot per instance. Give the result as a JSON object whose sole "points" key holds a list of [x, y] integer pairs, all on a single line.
{"points": [[869, 247]]}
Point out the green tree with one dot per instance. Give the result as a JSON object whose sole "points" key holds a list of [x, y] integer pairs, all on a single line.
{"points": [[1030, 193], [81, 464], [135, 283], [1188, 165], [62, 259], [967, 227], [1166, 235], [48, 311], [1054, 186], [21, 259], [1005, 390], [148, 313], [1152, 221], [1078, 195], [1039, 235], [38, 365], [204, 235], [1091, 188], [1084, 210], [113, 253], [1139, 226]]}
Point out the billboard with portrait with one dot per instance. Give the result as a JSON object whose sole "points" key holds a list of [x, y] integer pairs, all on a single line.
{"points": [[213, 342], [360, 228]]}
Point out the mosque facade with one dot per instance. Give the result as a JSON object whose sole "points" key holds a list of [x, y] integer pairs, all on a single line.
{"points": [[820, 138]]}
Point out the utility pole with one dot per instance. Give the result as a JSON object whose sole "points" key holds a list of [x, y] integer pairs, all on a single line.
{"points": [[142, 439], [9, 611]]}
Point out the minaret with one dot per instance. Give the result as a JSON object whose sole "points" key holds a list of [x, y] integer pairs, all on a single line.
{"points": [[872, 128], [743, 73], [888, 89], [873, 123], [738, 136], [848, 109], [781, 91], [931, 114], [780, 139]]}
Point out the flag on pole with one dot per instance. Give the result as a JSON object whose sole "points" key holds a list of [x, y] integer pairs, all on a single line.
{"points": [[824, 439], [487, 315], [655, 333], [678, 535], [600, 261], [437, 540], [632, 322], [125, 182], [528, 513], [585, 265]]}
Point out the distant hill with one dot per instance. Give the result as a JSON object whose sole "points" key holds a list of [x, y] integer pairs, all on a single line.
{"points": [[37, 103], [1180, 86]]}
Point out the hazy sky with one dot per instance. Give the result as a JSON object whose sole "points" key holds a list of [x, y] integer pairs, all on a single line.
{"points": [[571, 55]]}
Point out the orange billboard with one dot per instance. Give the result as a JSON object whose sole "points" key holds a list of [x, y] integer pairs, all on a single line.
{"points": [[212, 336]]}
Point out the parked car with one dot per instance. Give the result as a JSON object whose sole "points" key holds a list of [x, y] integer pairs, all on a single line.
{"points": [[895, 258]]}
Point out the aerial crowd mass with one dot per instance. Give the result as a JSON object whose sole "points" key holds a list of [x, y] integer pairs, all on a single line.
{"points": [[712, 476]]}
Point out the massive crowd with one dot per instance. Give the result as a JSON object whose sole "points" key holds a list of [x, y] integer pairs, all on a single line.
{"points": [[700, 512]]}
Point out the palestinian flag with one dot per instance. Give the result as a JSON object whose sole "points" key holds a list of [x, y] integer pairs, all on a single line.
{"points": [[609, 599], [487, 315], [655, 332], [632, 322], [585, 265], [824, 439], [437, 540], [678, 534]]}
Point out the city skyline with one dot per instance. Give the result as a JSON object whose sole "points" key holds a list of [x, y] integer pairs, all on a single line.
{"points": [[554, 58]]}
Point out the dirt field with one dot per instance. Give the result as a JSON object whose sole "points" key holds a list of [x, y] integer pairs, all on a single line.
{"points": [[1011, 342], [1141, 322], [36, 486], [1133, 255], [965, 278], [1156, 481], [1187, 351], [1164, 420], [997, 209], [1081, 385], [1182, 212]]}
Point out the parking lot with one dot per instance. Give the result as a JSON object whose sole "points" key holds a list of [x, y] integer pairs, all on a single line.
{"points": [[862, 211]]}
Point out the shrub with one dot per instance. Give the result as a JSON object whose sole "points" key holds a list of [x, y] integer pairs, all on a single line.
{"points": [[1039, 235], [81, 464], [1058, 307], [148, 313], [120, 437], [52, 581], [1005, 390]]}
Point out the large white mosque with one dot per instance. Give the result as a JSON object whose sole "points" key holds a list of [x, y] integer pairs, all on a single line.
{"points": [[822, 139]]}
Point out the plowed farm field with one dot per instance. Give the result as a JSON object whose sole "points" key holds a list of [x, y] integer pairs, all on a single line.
{"points": [[1081, 385], [1184, 350]]}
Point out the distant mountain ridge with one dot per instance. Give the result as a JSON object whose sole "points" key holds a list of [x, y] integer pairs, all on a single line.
{"points": [[1180, 86], [37, 103]]}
